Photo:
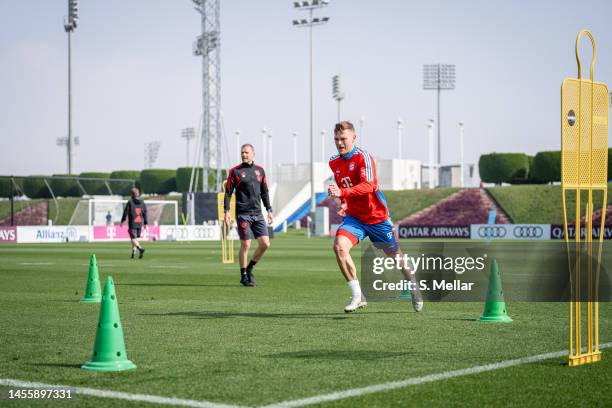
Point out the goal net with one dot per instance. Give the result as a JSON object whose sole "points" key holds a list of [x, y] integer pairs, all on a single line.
{"points": [[103, 216]]}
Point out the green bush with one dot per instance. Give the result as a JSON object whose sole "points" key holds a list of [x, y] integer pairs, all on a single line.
{"points": [[6, 183], [158, 181], [94, 187], [547, 166], [183, 176], [35, 187], [503, 167], [124, 187], [65, 187]]}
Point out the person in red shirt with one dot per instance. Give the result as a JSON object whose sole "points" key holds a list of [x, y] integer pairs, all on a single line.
{"points": [[364, 209]]}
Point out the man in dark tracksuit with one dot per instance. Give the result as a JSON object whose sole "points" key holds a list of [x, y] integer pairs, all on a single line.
{"points": [[249, 181], [136, 213]]}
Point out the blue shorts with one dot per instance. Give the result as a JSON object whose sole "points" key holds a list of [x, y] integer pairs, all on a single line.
{"points": [[382, 235]]}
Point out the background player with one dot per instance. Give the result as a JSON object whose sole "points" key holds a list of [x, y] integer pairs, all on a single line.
{"points": [[364, 209], [136, 213], [249, 181]]}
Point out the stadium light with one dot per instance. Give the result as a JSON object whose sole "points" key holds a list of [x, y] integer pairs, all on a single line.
{"points": [[400, 126], [151, 153], [430, 125], [461, 149], [439, 77], [70, 25], [337, 93], [188, 134], [310, 5], [63, 141]]}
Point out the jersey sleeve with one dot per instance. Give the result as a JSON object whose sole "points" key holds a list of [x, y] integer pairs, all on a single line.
{"points": [[367, 179], [229, 189], [126, 209], [265, 195]]}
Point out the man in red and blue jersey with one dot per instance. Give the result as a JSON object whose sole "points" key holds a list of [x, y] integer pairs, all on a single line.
{"points": [[364, 209]]}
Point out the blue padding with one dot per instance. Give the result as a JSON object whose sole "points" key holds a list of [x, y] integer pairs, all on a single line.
{"points": [[302, 211]]}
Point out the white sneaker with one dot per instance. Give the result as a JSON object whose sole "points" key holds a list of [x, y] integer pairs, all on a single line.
{"points": [[354, 305], [417, 300]]}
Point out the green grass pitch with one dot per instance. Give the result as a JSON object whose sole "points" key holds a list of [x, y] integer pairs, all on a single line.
{"points": [[195, 333]]}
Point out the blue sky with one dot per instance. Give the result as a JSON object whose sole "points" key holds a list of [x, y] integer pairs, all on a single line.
{"points": [[135, 79]]}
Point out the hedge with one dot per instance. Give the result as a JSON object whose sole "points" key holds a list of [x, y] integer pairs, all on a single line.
{"points": [[35, 187], [65, 187], [5, 186], [183, 176], [547, 166], [158, 181], [124, 187], [94, 187], [503, 167]]}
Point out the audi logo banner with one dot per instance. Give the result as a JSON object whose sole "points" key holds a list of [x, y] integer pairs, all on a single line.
{"points": [[193, 233], [510, 231]]}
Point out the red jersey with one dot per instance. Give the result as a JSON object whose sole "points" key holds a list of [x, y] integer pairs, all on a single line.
{"points": [[355, 174]]}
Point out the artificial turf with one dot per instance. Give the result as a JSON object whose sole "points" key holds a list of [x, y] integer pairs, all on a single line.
{"points": [[195, 333]]}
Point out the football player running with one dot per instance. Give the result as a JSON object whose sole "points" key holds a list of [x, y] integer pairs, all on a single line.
{"points": [[364, 210]]}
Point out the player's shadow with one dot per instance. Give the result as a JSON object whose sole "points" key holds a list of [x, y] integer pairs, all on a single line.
{"points": [[364, 355], [258, 315], [175, 284]]}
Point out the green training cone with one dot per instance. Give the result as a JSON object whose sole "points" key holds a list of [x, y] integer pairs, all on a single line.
{"points": [[405, 294], [495, 307], [109, 348], [93, 293]]}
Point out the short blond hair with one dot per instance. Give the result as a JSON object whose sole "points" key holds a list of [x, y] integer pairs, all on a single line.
{"points": [[342, 126]]}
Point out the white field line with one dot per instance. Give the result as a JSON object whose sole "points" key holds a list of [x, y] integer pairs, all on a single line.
{"points": [[155, 399], [334, 396], [37, 263]]}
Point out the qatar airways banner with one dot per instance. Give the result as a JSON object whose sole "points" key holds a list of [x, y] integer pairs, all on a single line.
{"points": [[47, 234], [8, 235], [116, 233]]}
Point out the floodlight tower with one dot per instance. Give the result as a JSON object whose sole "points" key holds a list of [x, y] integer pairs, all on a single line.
{"points": [[439, 77], [70, 25], [188, 134], [310, 5], [337, 92], [207, 45]]}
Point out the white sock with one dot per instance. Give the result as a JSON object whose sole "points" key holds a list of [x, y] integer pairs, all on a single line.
{"points": [[355, 289]]}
